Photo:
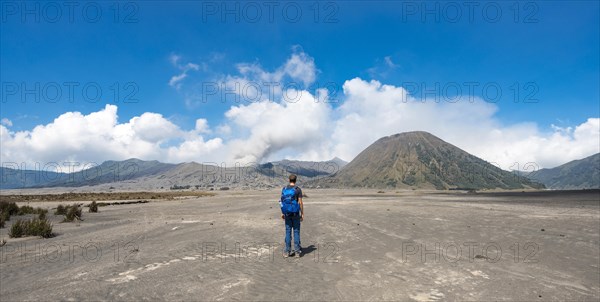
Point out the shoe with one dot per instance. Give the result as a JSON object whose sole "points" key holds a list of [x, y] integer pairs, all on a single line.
{"points": [[285, 255], [298, 254]]}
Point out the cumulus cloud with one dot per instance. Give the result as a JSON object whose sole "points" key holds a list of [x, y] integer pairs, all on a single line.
{"points": [[301, 67], [195, 149], [202, 126], [510, 145], [153, 128], [372, 110], [98, 136]]}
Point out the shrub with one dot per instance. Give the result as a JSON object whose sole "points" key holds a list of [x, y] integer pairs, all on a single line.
{"points": [[10, 208], [42, 215], [73, 212], [33, 227], [18, 229], [1, 221], [5, 216], [40, 227], [176, 187], [30, 210], [25, 210], [93, 207], [60, 210]]}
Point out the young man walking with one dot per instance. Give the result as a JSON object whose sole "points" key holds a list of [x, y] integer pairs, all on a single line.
{"points": [[292, 212]]}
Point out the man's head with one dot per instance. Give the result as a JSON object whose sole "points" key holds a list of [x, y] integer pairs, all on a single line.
{"points": [[293, 178]]}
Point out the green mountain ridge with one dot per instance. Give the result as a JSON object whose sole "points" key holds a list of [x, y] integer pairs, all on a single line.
{"points": [[421, 160], [578, 174]]}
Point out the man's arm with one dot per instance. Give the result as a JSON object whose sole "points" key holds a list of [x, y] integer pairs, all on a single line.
{"points": [[301, 207], [300, 203]]}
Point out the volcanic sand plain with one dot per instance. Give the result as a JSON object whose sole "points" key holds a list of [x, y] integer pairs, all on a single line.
{"points": [[358, 245]]}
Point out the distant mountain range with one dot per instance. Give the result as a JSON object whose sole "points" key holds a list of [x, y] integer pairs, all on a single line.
{"points": [[135, 173], [577, 174], [423, 161], [417, 160], [303, 168], [17, 178]]}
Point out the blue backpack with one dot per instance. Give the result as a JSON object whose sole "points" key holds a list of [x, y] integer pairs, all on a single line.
{"points": [[289, 204]]}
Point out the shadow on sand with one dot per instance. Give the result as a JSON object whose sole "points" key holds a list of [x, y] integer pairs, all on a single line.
{"points": [[309, 249]]}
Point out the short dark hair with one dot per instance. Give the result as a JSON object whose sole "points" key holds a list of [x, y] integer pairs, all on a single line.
{"points": [[293, 178]]}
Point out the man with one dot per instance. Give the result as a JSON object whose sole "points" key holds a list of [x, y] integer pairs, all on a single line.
{"points": [[292, 211]]}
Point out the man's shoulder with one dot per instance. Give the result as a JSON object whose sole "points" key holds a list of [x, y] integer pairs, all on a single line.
{"points": [[297, 188]]}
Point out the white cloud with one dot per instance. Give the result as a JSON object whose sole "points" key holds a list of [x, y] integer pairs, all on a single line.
{"points": [[301, 67], [153, 127], [224, 130], [174, 59], [202, 126], [389, 63], [300, 127], [298, 67], [196, 149], [372, 110], [6, 122], [175, 80], [98, 136], [382, 68], [298, 72]]}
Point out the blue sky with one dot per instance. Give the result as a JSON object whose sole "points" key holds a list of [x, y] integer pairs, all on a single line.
{"points": [[547, 50]]}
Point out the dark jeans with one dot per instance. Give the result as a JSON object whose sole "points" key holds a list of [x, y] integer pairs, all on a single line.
{"points": [[292, 223]]}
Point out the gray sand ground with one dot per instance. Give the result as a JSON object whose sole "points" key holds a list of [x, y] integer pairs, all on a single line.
{"points": [[359, 245]]}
